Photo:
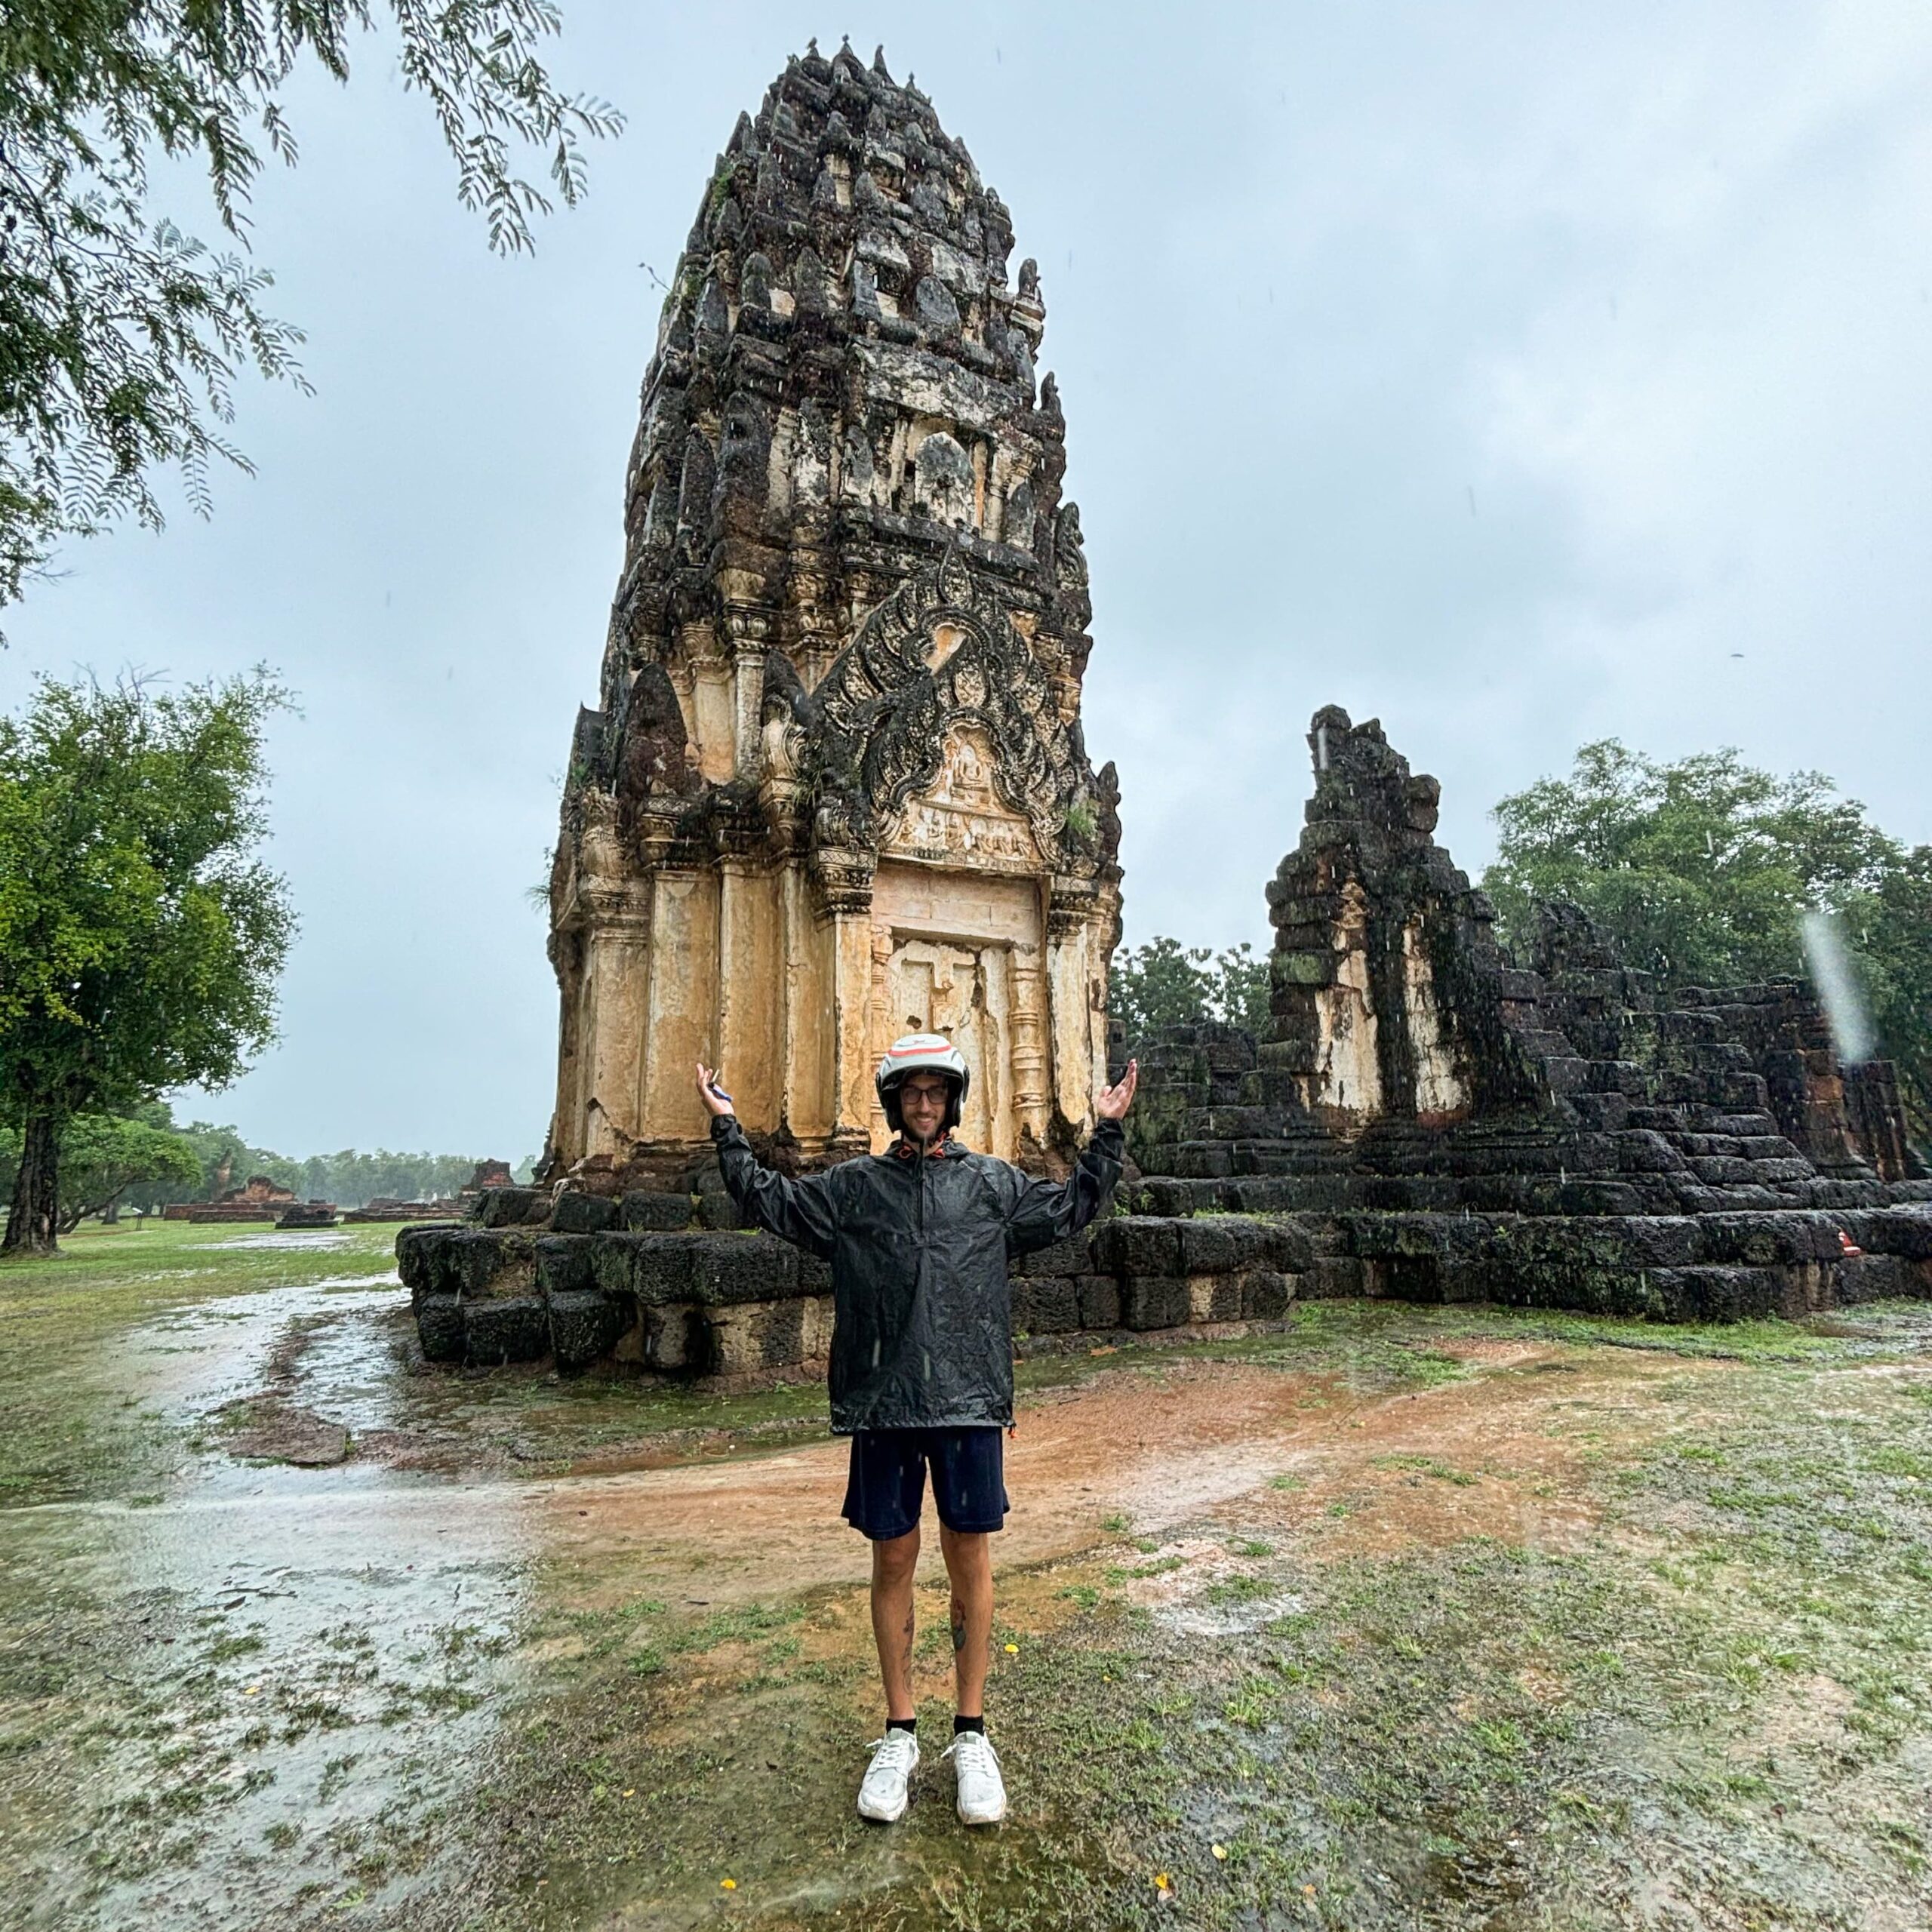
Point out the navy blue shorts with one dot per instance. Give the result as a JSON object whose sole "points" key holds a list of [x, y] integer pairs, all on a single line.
{"points": [[886, 1488]]}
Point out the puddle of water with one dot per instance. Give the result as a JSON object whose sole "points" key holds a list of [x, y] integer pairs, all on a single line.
{"points": [[319, 1238], [294, 1678]]}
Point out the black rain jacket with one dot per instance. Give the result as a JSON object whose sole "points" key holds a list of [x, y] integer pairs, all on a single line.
{"points": [[923, 1333]]}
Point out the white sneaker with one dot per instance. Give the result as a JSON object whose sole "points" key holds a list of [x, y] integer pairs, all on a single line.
{"points": [[882, 1792], [982, 1790]]}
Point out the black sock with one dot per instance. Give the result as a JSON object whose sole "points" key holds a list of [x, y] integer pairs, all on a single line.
{"points": [[903, 1723], [960, 1724]]}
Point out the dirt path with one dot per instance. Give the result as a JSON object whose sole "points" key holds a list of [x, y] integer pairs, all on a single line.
{"points": [[1158, 1446]]}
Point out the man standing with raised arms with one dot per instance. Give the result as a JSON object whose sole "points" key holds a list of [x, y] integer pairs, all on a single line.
{"points": [[921, 1371]]}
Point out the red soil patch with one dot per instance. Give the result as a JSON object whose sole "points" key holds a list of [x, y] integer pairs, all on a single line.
{"points": [[1488, 1455]]}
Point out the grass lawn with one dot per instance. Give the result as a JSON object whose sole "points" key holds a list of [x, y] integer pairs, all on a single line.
{"points": [[1696, 1694]]}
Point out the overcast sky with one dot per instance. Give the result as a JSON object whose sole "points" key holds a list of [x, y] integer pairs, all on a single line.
{"points": [[1521, 373]]}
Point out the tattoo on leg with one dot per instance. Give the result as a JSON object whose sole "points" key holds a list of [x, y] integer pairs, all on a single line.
{"points": [[908, 1634]]}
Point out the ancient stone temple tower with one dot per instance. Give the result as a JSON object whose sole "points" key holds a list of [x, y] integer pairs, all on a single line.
{"points": [[836, 787]]}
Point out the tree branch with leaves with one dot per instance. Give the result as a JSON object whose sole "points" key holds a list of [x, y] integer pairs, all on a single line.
{"points": [[120, 336]]}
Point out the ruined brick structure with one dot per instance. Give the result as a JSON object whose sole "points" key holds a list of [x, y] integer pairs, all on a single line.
{"points": [[1443, 1120], [258, 1198], [835, 788]]}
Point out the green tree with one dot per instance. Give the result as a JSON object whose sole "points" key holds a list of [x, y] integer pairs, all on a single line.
{"points": [[1241, 986], [140, 936], [1164, 983], [349, 1179], [1703, 869], [121, 336], [105, 1157], [225, 1159]]}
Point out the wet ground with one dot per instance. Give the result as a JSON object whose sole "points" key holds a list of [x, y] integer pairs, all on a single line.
{"points": [[257, 1685], [1400, 1617]]}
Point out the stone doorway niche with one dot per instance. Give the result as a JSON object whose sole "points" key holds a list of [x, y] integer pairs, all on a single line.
{"points": [[960, 953], [956, 989]]}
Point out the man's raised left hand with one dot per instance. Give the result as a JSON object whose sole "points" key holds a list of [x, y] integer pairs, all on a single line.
{"points": [[1113, 1104]]}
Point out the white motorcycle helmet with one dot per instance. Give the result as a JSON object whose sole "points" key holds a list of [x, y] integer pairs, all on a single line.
{"points": [[921, 1053]]}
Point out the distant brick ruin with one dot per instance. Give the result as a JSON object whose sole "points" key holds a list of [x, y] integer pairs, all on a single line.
{"points": [[258, 1198], [835, 788]]}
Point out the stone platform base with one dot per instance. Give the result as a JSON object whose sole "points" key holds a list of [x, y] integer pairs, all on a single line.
{"points": [[1731, 1267], [700, 1303]]}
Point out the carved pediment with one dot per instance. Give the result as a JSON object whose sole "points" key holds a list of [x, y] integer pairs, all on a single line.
{"points": [[939, 689], [961, 819]]}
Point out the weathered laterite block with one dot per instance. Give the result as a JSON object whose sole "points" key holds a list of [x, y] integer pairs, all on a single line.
{"points": [[1894, 1231], [705, 1268], [419, 1263], [1737, 1293], [1882, 1277], [648, 1267], [1334, 1278], [645, 1213], [1214, 1298], [1064, 1257], [563, 1266], [1265, 1294], [509, 1207], [722, 1269], [514, 1329], [1137, 1244], [1045, 1305], [717, 1210], [439, 1327], [1099, 1297], [1226, 1243], [483, 1262], [1765, 1239], [675, 1338], [584, 1214], [751, 1336], [585, 1325], [1154, 1301]]}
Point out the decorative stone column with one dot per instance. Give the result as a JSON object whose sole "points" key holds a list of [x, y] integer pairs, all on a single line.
{"points": [[844, 880], [1071, 930], [881, 1027], [748, 629], [1029, 1053], [681, 1027], [750, 1010]]}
